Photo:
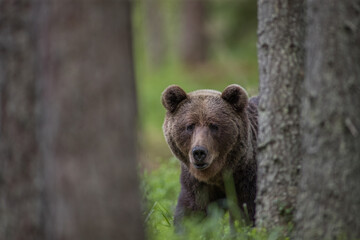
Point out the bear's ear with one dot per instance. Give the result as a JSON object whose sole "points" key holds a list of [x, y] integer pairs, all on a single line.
{"points": [[172, 96], [236, 96]]}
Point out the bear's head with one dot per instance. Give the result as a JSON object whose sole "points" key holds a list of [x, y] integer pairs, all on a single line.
{"points": [[207, 130]]}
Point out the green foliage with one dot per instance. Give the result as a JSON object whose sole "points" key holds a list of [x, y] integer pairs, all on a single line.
{"points": [[160, 190]]}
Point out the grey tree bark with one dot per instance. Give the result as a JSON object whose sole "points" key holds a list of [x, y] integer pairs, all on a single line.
{"points": [[281, 61], [89, 120], [20, 166], [193, 38], [329, 199]]}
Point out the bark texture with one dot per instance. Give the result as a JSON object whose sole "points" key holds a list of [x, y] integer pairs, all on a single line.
{"points": [[20, 166], [89, 120], [329, 198], [193, 38], [281, 63]]}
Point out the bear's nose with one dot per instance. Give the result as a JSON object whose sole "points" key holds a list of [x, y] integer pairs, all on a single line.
{"points": [[199, 153]]}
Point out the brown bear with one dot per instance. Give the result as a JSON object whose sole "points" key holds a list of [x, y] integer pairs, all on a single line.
{"points": [[212, 133]]}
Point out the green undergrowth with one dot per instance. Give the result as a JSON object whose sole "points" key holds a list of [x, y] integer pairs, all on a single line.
{"points": [[160, 189]]}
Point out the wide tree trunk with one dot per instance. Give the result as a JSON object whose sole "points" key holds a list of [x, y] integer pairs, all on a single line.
{"points": [[193, 36], [67, 121], [281, 61], [329, 198], [21, 207], [89, 120]]}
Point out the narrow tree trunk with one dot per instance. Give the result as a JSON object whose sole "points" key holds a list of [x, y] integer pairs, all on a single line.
{"points": [[280, 52], [21, 205], [329, 199], [193, 39], [156, 42], [88, 112]]}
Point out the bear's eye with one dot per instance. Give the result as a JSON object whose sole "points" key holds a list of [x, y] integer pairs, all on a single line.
{"points": [[190, 127], [213, 127]]}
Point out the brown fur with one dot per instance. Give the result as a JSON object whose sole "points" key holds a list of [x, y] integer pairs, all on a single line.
{"points": [[225, 124]]}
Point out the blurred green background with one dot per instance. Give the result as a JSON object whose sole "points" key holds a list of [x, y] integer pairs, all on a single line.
{"points": [[229, 56]]}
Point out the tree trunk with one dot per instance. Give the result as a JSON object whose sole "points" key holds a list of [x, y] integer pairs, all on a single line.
{"points": [[89, 120], [281, 61], [329, 198], [156, 43], [193, 38], [67, 121], [20, 167]]}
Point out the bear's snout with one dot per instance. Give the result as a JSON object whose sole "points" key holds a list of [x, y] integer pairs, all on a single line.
{"points": [[200, 153]]}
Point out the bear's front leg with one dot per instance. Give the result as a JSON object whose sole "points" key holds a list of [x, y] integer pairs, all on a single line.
{"points": [[189, 203], [180, 212]]}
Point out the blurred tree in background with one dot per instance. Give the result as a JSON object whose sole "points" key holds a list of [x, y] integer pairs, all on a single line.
{"points": [[155, 31], [193, 35]]}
